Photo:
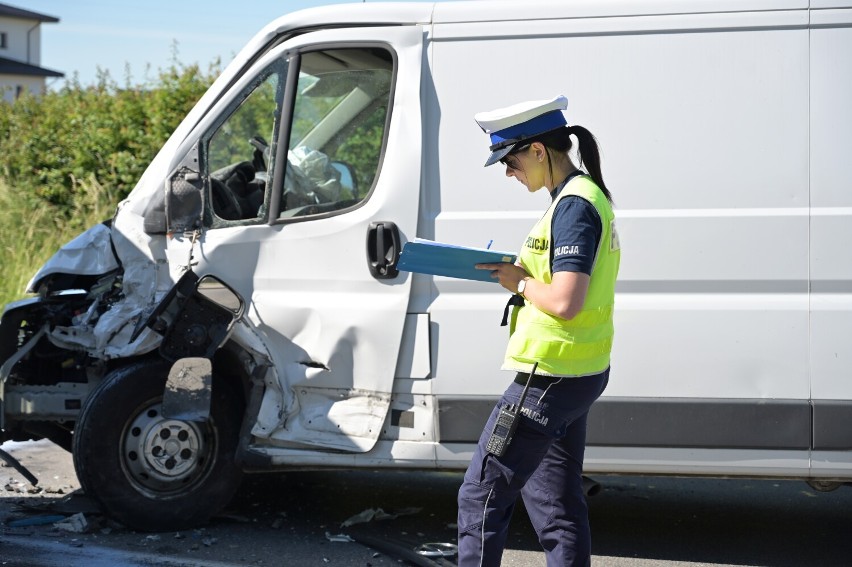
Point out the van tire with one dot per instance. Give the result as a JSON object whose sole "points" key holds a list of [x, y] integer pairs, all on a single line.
{"points": [[121, 462]]}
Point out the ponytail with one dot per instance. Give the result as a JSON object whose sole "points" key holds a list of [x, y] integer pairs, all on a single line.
{"points": [[588, 153], [590, 156]]}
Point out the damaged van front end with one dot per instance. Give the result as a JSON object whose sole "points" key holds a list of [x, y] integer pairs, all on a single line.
{"points": [[241, 310], [55, 345], [108, 366]]}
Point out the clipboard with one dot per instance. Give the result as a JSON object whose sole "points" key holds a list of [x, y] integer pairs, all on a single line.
{"points": [[439, 259]]}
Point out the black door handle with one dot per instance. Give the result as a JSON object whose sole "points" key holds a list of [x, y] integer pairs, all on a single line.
{"points": [[383, 250]]}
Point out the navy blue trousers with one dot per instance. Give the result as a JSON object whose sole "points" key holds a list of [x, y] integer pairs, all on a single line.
{"points": [[544, 465]]}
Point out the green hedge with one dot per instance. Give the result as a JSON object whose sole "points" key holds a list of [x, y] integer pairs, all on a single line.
{"points": [[70, 156]]}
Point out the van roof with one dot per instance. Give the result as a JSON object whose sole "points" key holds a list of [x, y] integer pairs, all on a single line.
{"points": [[425, 13], [398, 13], [409, 13], [507, 10]]}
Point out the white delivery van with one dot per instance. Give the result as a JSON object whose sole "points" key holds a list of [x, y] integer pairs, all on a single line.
{"points": [[242, 310]]}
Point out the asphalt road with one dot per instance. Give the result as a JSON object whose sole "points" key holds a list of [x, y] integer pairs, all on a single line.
{"points": [[290, 519]]}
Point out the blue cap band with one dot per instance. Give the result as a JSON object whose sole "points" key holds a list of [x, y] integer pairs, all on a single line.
{"points": [[533, 127]]}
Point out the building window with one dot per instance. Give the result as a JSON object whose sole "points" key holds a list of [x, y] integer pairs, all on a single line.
{"points": [[2, 40]]}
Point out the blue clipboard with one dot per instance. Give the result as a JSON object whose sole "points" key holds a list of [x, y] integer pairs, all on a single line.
{"points": [[439, 259]]}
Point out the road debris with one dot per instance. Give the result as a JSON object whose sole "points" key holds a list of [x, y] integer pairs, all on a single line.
{"points": [[277, 523], [371, 514], [239, 518], [41, 520], [15, 464], [77, 524], [343, 538], [437, 550]]}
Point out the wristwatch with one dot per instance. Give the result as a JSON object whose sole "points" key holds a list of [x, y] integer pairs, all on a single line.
{"points": [[522, 285]]}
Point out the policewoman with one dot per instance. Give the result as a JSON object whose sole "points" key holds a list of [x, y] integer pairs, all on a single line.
{"points": [[561, 325]]}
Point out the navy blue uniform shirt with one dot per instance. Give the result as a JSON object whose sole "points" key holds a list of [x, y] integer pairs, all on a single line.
{"points": [[576, 231]]}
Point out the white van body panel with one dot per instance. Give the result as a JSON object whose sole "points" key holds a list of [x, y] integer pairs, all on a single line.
{"points": [[830, 233], [831, 204], [689, 262]]}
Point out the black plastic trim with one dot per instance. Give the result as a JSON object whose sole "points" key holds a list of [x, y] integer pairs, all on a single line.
{"points": [[706, 423], [669, 422], [462, 420], [832, 424]]}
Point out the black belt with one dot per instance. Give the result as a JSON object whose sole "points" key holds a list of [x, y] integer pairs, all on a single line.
{"points": [[537, 380], [517, 301]]}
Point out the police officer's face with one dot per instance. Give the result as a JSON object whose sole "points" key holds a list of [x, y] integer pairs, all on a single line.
{"points": [[524, 165]]}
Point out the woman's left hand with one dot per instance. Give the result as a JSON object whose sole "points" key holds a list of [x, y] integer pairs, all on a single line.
{"points": [[507, 274]]}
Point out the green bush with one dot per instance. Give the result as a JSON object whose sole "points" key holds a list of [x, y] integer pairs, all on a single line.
{"points": [[104, 130], [69, 157]]}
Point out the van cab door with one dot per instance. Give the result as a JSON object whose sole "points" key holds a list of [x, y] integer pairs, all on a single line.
{"points": [[309, 167]]}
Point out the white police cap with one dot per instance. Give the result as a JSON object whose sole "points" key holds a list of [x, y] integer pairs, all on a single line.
{"points": [[513, 124]]}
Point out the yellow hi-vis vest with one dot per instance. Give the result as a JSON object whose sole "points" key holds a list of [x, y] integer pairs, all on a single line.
{"points": [[580, 346]]}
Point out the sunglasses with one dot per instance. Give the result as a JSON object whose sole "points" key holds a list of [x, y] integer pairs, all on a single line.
{"points": [[512, 153]]}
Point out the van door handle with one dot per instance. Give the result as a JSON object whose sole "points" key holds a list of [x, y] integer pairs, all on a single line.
{"points": [[383, 250]]}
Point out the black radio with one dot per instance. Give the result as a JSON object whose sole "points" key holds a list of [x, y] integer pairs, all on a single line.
{"points": [[507, 422]]}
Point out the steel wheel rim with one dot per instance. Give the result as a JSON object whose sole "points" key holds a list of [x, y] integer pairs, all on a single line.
{"points": [[162, 456]]}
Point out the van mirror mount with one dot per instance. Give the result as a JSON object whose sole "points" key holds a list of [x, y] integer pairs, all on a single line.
{"points": [[195, 317], [220, 293], [185, 195]]}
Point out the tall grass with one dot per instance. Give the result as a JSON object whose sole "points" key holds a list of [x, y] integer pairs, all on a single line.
{"points": [[32, 230]]}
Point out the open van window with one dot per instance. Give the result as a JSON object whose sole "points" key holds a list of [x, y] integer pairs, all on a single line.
{"points": [[338, 130], [238, 153]]}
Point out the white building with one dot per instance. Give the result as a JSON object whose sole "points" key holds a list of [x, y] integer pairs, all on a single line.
{"points": [[20, 52]]}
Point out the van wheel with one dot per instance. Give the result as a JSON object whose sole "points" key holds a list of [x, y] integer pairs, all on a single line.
{"points": [[149, 472]]}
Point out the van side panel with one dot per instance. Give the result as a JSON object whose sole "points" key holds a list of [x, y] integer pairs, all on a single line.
{"points": [[704, 133], [830, 235]]}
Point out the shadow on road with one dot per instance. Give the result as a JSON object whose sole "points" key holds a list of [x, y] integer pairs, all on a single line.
{"points": [[636, 521], [722, 522], [709, 521]]}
